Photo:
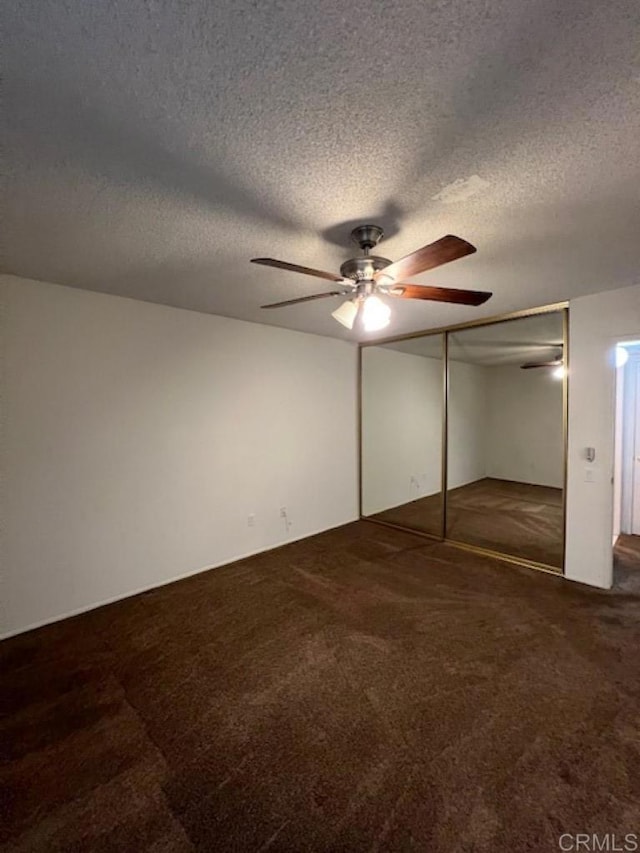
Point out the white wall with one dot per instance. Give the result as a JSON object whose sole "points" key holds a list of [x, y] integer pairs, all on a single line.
{"points": [[467, 423], [524, 434], [138, 439], [595, 324], [401, 428]]}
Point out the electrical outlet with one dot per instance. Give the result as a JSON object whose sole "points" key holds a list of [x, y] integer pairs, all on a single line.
{"points": [[283, 512], [251, 520], [589, 475]]}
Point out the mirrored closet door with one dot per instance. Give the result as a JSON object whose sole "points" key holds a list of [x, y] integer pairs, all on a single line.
{"points": [[463, 435], [505, 438], [402, 392]]}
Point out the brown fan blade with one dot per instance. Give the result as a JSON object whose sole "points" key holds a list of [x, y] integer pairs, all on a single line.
{"points": [[306, 298], [440, 294], [446, 249], [533, 364], [283, 265]]}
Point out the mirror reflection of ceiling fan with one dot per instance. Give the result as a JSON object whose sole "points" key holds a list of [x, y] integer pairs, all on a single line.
{"points": [[363, 280], [556, 363]]}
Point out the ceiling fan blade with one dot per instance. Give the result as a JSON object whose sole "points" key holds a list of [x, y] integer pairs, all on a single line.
{"points": [[283, 265], [306, 299], [532, 364], [439, 294], [446, 249]]}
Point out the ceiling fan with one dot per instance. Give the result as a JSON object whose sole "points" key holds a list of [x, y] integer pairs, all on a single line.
{"points": [[556, 363], [364, 279]]}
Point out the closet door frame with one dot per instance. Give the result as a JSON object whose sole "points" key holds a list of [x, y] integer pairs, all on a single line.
{"points": [[445, 331]]}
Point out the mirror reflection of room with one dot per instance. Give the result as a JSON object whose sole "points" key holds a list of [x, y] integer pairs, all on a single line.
{"points": [[402, 403], [505, 467]]}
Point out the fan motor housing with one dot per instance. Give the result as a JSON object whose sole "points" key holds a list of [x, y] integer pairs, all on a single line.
{"points": [[360, 269]]}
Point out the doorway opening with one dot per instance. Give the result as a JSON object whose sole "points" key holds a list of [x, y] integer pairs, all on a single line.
{"points": [[626, 474]]}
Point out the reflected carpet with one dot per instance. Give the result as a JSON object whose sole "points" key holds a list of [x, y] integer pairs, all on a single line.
{"points": [[514, 518]]}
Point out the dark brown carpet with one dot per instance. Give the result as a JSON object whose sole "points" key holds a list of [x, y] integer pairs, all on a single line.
{"points": [[364, 689], [514, 518]]}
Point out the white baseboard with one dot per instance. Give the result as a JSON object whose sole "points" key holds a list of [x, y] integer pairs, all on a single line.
{"points": [[130, 594]]}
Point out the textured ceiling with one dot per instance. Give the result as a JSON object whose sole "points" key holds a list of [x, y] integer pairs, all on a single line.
{"points": [[152, 148]]}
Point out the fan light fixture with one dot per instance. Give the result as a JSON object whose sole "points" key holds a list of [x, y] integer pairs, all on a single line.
{"points": [[375, 314], [346, 313]]}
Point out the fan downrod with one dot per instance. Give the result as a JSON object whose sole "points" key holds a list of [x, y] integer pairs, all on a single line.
{"points": [[367, 236], [364, 267]]}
